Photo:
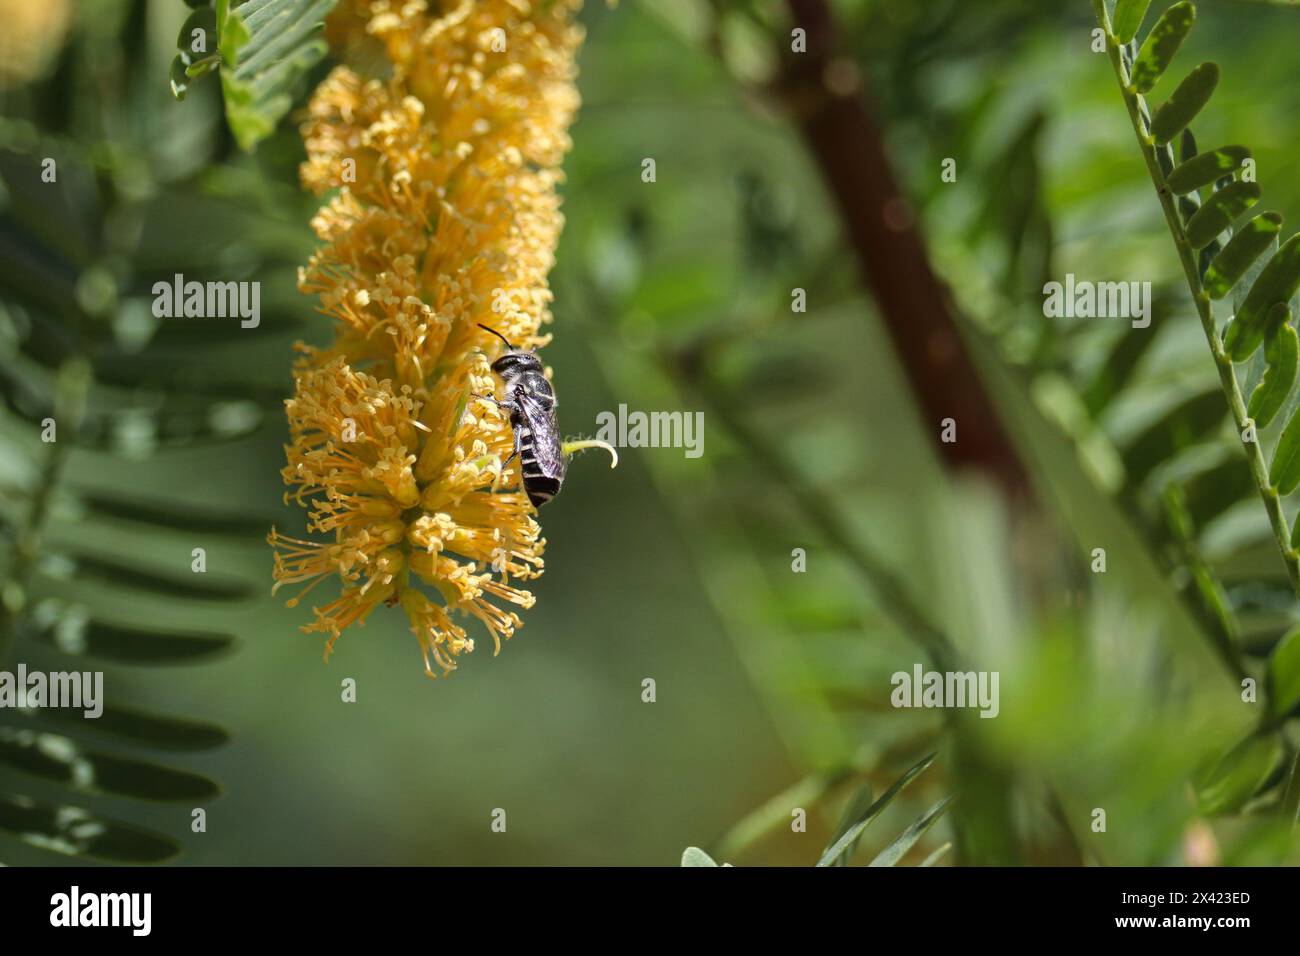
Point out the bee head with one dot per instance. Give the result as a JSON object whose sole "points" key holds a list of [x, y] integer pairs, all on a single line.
{"points": [[516, 362]]}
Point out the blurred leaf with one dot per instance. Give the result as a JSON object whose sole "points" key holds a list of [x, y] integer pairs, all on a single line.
{"points": [[1278, 282], [63, 760], [694, 856], [1284, 675], [776, 812], [1187, 423], [1224, 785], [1280, 351], [151, 730], [176, 516], [1210, 492], [1114, 373], [196, 50], [1284, 471], [115, 572], [128, 644], [844, 844], [856, 808], [891, 854], [937, 855], [74, 831]]}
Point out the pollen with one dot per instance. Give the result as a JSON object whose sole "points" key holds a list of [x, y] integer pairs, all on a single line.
{"points": [[442, 169]]}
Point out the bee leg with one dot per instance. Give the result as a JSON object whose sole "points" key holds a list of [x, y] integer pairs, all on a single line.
{"points": [[508, 406], [506, 464]]}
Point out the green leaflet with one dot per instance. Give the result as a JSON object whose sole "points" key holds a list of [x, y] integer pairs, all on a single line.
{"points": [[1181, 108], [1284, 674], [1244, 248], [1278, 282], [1220, 211], [1280, 350], [1128, 17], [1161, 44], [1204, 169], [1284, 472]]}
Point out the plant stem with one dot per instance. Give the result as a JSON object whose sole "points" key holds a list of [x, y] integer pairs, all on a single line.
{"points": [[1187, 256]]}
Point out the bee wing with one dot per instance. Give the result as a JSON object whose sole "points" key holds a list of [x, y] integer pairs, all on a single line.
{"points": [[546, 437]]}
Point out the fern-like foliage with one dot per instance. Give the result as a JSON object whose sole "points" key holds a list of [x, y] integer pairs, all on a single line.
{"points": [[1226, 256], [99, 397]]}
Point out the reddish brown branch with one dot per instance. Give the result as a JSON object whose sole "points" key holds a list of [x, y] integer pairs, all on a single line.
{"points": [[828, 97]]}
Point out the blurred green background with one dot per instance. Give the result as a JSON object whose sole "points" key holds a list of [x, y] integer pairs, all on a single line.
{"points": [[670, 568]]}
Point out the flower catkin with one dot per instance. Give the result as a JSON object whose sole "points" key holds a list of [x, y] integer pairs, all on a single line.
{"points": [[440, 143]]}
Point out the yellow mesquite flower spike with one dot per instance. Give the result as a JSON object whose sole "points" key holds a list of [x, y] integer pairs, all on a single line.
{"points": [[442, 169]]}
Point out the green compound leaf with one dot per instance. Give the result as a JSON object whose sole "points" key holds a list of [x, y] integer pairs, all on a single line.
{"points": [[1181, 108], [1280, 351], [1161, 45], [1200, 171], [1227, 268], [1277, 282], [266, 46], [1220, 211], [1128, 18]]}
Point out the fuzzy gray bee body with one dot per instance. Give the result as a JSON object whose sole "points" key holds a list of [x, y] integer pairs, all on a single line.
{"points": [[530, 400]]}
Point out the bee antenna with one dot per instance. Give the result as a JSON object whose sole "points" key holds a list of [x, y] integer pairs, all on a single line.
{"points": [[488, 328]]}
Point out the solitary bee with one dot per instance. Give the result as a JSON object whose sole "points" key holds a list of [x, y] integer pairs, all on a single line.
{"points": [[530, 400]]}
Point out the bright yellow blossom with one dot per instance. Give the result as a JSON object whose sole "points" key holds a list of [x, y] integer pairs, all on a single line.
{"points": [[444, 215]]}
